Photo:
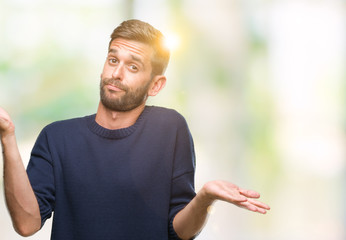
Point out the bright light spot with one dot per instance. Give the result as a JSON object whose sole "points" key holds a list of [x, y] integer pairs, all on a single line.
{"points": [[211, 209], [172, 41]]}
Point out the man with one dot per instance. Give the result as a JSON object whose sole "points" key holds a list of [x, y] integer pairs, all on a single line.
{"points": [[126, 172]]}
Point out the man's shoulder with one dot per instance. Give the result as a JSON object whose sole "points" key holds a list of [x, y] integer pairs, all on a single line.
{"points": [[166, 115], [157, 111], [67, 124]]}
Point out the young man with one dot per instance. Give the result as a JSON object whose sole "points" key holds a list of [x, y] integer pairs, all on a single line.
{"points": [[126, 172]]}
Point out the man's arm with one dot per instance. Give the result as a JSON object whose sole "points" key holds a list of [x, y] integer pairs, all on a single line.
{"points": [[20, 198], [190, 220]]}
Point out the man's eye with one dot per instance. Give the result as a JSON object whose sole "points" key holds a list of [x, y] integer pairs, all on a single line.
{"points": [[133, 67], [113, 60]]}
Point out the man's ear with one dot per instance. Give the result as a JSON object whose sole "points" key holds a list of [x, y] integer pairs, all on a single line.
{"points": [[158, 83]]}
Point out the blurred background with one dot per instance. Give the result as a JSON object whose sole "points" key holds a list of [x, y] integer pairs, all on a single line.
{"points": [[260, 82]]}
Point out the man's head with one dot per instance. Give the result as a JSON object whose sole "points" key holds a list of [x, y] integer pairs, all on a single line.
{"points": [[143, 32], [134, 66]]}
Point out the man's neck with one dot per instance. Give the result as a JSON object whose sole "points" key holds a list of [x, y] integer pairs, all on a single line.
{"points": [[115, 120]]}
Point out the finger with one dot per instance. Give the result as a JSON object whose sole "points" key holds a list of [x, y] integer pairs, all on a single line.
{"points": [[233, 196], [261, 210], [249, 193], [253, 208], [248, 206], [259, 204]]}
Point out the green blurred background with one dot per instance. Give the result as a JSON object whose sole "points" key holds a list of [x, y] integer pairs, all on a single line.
{"points": [[260, 82]]}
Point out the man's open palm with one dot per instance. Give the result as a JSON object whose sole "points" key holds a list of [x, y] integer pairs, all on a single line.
{"points": [[229, 192]]}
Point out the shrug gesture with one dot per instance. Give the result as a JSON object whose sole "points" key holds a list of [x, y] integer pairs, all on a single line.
{"points": [[20, 198], [190, 221], [6, 124]]}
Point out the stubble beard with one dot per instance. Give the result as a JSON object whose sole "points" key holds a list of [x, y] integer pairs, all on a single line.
{"points": [[131, 98]]}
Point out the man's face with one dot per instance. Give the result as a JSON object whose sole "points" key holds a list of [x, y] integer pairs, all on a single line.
{"points": [[126, 76]]}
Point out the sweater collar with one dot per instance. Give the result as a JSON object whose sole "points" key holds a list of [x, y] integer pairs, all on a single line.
{"points": [[118, 133]]}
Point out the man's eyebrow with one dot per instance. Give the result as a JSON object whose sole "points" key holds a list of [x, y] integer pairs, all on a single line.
{"points": [[137, 59], [133, 57], [112, 50]]}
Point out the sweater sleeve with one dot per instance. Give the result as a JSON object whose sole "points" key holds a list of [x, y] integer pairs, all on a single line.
{"points": [[182, 190], [41, 176]]}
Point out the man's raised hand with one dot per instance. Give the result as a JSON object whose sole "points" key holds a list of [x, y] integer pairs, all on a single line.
{"points": [[6, 124], [229, 192]]}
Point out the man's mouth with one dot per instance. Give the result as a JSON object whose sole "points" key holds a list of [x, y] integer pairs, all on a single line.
{"points": [[113, 88], [114, 85]]}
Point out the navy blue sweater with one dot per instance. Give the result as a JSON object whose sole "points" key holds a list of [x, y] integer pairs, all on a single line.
{"points": [[124, 184]]}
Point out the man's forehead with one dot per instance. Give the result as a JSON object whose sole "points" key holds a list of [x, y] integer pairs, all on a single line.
{"points": [[135, 47]]}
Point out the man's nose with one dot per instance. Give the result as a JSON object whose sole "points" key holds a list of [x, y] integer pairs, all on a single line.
{"points": [[118, 72]]}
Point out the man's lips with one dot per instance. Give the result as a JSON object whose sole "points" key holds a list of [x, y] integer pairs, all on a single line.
{"points": [[114, 88]]}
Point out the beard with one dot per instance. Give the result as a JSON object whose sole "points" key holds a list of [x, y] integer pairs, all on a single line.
{"points": [[131, 98]]}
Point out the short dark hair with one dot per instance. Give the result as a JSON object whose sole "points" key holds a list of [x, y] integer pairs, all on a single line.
{"points": [[143, 32]]}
